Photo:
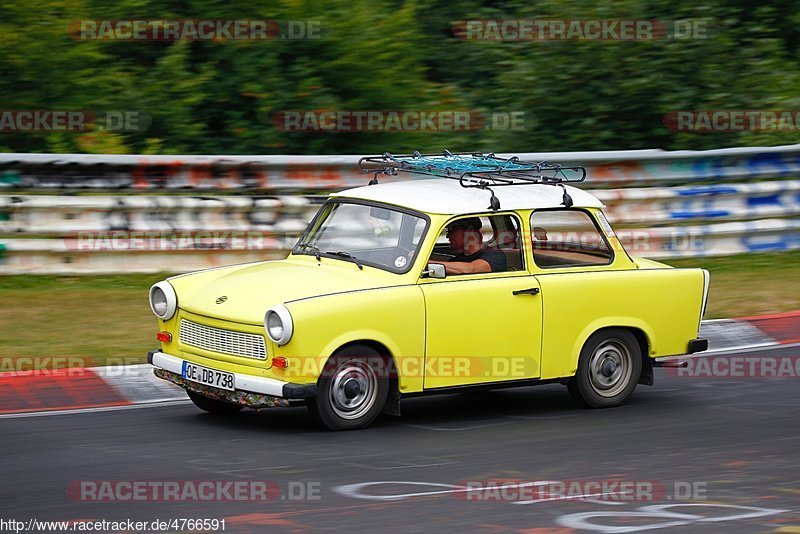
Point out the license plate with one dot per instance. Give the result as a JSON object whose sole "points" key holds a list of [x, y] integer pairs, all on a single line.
{"points": [[209, 377]]}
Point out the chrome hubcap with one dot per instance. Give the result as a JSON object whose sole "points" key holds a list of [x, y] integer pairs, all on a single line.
{"points": [[353, 390], [610, 368]]}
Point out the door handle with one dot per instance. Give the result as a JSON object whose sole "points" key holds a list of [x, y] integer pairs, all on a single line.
{"points": [[529, 291]]}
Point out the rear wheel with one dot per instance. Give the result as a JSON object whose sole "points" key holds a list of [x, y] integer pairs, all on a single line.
{"points": [[609, 368], [213, 405], [353, 389]]}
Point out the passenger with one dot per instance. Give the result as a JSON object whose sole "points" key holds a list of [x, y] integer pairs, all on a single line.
{"points": [[471, 256]]}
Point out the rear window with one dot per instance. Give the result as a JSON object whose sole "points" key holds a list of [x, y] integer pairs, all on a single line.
{"points": [[567, 238]]}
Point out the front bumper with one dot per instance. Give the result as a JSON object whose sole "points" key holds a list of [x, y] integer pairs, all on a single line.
{"points": [[245, 384]]}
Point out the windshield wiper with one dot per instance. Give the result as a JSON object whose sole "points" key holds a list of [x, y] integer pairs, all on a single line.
{"points": [[346, 255], [310, 247]]}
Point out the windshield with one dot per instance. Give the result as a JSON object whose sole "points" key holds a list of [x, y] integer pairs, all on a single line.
{"points": [[377, 236]]}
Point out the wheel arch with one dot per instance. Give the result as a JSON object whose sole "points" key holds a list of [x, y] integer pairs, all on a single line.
{"points": [[640, 331]]}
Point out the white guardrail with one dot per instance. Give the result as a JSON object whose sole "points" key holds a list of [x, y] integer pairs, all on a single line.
{"points": [[105, 213]]}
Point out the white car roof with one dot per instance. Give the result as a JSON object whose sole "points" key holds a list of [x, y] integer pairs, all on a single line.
{"points": [[447, 197]]}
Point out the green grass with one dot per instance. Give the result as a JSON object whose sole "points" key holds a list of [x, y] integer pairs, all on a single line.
{"points": [[106, 319], [94, 320], [750, 284]]}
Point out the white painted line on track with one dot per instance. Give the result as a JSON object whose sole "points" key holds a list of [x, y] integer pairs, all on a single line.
{"points": [[587, 496], [150, 404], [455, 429], [408, 466], [741, 348]]}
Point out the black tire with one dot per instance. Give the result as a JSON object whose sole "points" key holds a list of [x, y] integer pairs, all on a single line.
{"points": [[213, 405], [353, 388], [609, 368]]}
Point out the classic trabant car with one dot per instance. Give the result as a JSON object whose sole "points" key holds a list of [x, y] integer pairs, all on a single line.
{"points": [[378, 300]]}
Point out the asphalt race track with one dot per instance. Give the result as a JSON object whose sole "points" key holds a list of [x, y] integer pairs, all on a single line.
{"points": [[734, 441]]}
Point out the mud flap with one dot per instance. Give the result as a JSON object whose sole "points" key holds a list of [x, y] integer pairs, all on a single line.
{"points": [[392, 406], [646, 377]]}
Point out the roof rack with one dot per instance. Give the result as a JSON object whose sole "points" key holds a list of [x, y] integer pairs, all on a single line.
{"points": [[476, 170]]}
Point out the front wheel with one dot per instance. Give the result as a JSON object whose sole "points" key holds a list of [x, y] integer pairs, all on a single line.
{"points": [[213, 405], [609, 368], [353, 389]]}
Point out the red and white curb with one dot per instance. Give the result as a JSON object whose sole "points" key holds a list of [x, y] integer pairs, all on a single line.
{"points": [[47, 392], [745, 333], [83, 389]]}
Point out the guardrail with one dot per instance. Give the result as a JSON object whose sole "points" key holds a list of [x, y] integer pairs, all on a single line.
{"points": [[322, 173], [53, 220]]}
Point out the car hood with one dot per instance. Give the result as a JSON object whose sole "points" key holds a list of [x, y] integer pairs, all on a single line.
{"points": [[243, 293]]}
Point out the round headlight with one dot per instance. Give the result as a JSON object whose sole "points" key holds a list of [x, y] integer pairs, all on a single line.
{"points": [[278, 324], [163, 300], [159, 302], [274, 325]]}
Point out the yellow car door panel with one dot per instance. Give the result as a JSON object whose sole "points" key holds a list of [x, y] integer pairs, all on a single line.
{"points": [[478, 330]]}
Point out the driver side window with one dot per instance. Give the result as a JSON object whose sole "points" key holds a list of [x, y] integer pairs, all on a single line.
{"points": [[496, 240]]}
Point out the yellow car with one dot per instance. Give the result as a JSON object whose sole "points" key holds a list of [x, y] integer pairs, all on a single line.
{"points": [[487, 273]]}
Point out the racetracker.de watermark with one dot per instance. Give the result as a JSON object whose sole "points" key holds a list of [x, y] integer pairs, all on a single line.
{"points": [[58, 366], [194, 30], [42, 120], [193, 490], [610, 490], [741, 120], [120, 240], [737, 367], [45, 365], [398, 120], [634, 240], [462, 367], [655, 240], [583, 30]]}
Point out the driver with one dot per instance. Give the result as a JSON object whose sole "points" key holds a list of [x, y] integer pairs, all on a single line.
{"points": [[471, 255]]}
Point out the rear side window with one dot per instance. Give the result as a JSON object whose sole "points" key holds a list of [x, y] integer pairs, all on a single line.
{"points": [[567, 238]]}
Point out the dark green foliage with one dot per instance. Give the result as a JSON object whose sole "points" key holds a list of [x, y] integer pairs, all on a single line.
{"points": [[219, 97]]}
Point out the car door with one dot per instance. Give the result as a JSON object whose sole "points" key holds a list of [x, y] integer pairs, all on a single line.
{"points": [[481, 328]]}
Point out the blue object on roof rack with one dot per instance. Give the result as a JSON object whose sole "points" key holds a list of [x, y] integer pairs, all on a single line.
{"points": [[482, 171], [460, 164]]}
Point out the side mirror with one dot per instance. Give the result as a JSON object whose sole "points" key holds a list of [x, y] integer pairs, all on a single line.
{"points": [[435, 270]]}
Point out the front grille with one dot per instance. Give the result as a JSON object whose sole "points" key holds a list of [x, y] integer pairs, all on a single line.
{"points": [[224, 341]]}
